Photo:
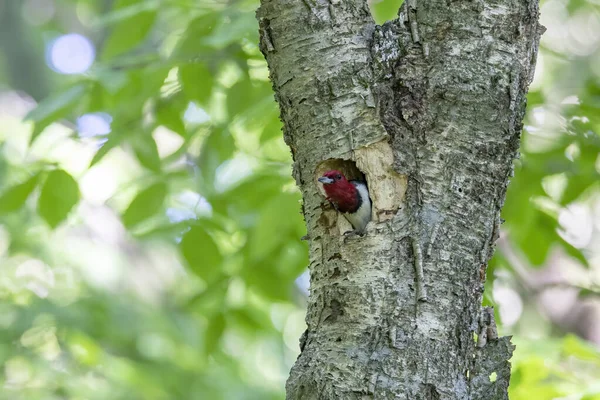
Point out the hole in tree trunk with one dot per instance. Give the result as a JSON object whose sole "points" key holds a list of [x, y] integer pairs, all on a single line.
{"points": [[350, 171], [346, 167]]}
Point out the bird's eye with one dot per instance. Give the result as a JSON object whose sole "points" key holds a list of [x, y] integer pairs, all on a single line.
{"points": [[338, 176]]}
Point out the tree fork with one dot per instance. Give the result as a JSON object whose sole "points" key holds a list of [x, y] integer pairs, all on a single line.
{"points": [[429, 108]]}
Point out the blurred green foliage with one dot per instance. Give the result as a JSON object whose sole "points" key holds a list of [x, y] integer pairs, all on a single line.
{"points": [[160, 261]]}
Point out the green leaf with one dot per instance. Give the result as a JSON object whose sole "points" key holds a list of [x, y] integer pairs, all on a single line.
{"points": [[218, 147], [576, 186], [574, 5], [147, 203], [293, 257], [146, 151], [262, 114], [129, 32], [201, 253], [584, 174], [272, 230], [112, 80], [534, 97], [238, 26], [60, 193], [129, 100], [167, 232], [271, 130], [537, 247], [168, 113], [262, 277], [193, 41], [573, 251], [576, 347], [54, 108], [14, 198], [589, 292], [249, 319], [197, 82], [249, 195], [385, 10], [536, 238], [211, 298], [124, 13], [214, 331], [97, 98], [245, 94], [112, 142]]}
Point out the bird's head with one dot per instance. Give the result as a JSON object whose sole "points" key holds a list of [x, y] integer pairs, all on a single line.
{"points": [[340, 191]]}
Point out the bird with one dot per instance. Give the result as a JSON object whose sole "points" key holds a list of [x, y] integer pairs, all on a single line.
{"points": [[349, 197]]}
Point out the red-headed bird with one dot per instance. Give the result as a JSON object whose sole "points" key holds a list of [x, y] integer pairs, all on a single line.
{"points": [[351, 198]]}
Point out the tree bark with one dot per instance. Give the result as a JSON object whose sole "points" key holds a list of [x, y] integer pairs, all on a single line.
{"points": [[428, 108]]}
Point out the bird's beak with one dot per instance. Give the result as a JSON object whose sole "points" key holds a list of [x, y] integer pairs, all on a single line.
{"points": [[325, 180]]}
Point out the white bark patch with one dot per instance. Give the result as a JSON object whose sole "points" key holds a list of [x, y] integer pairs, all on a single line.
{"points": [[387, 188]]}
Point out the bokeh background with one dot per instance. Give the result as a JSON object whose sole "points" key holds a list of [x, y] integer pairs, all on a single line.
{"points": [[150, 229]]}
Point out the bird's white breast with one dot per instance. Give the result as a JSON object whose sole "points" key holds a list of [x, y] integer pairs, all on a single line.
{"points": [[362, 216]]}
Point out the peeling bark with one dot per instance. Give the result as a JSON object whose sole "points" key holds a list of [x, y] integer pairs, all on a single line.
{"points": [[429, 109]]}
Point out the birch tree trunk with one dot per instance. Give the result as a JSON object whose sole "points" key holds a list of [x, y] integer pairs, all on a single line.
{"points": [[428, 108]]}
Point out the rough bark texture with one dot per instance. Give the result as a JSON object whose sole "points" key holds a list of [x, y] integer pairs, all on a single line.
{"points": [[429, 108]]}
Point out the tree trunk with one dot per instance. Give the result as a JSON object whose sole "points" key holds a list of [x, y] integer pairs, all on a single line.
{"points": [[429, 108]]}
